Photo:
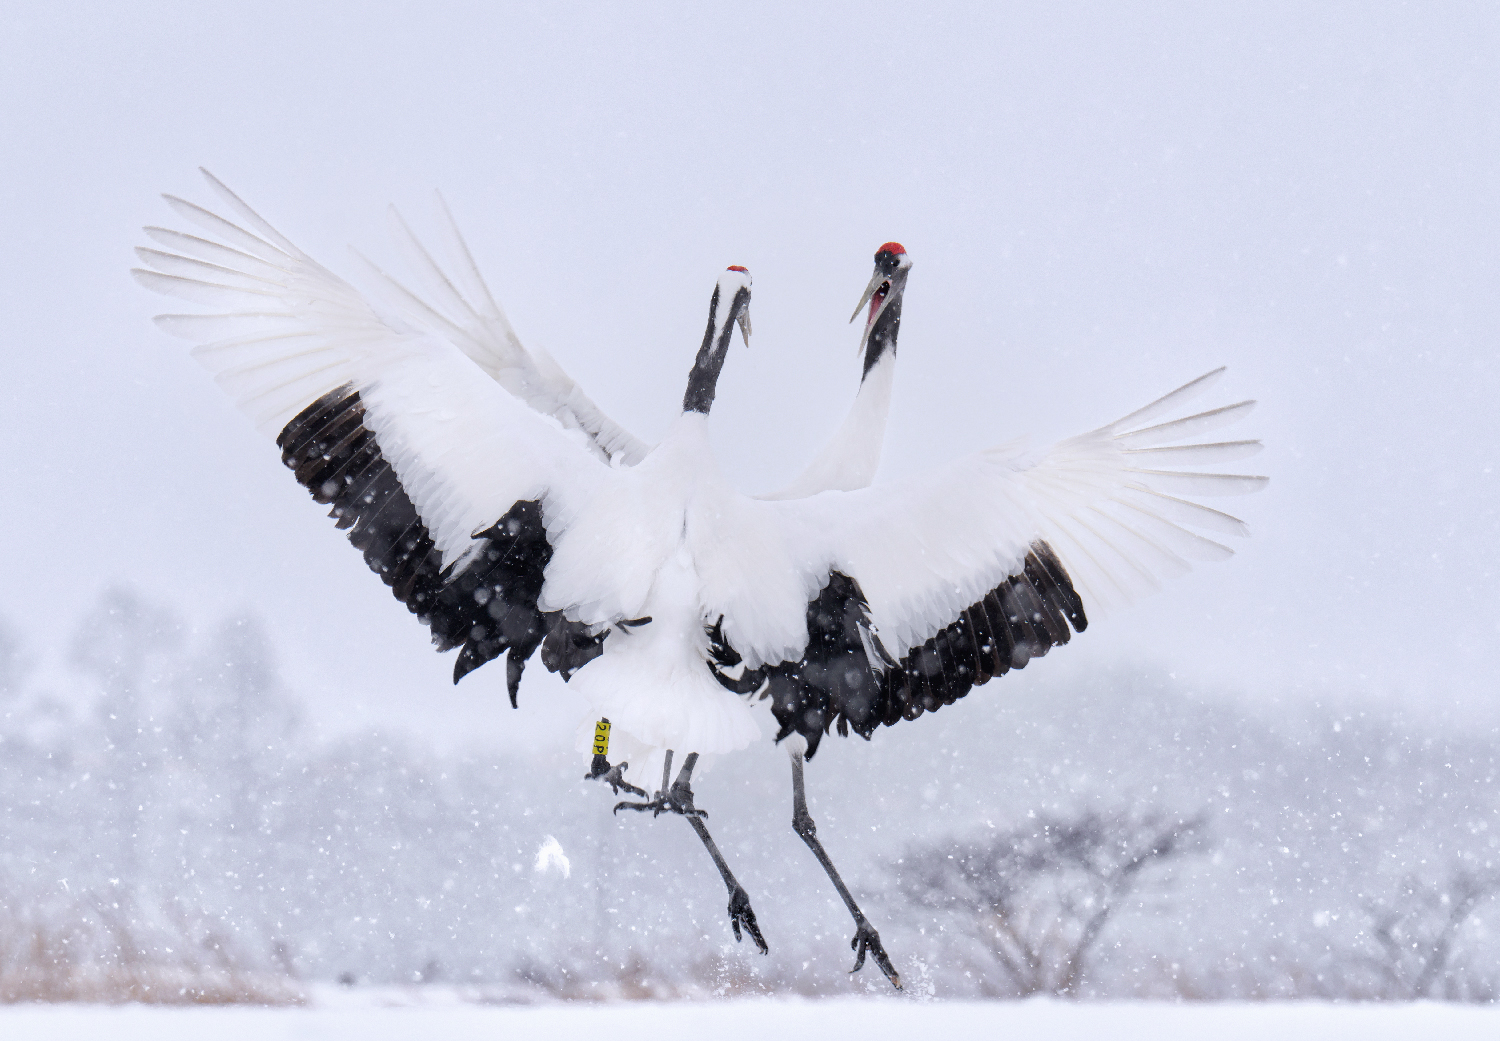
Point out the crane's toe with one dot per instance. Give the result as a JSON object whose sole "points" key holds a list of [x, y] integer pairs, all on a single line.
{"points": [[678, 800], [740, 913], [614, 776], [867, 939]]}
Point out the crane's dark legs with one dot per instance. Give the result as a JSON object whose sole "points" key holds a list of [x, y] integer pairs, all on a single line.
{"points": [[678, 798], [865, 936]]}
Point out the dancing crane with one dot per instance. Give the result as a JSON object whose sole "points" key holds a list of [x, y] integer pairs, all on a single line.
{"points": [[675, 603]]}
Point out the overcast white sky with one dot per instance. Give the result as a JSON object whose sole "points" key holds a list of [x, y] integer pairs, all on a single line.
{"points": [[1102, 202]]}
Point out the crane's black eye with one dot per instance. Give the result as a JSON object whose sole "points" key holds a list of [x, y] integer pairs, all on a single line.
{"points": [[886, 261]]}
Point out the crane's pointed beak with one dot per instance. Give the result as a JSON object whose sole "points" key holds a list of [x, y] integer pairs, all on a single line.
{"points": [[744, 323], [870, 289]]}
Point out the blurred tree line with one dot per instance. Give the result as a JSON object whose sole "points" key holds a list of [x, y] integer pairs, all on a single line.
{"points": [[174, 832]]}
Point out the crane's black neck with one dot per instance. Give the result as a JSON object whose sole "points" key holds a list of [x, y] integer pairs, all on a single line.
{"points": [[703, 380], [882, 337]]}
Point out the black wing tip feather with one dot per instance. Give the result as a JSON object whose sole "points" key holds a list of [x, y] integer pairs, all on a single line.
{"points": [[1016, 622], [834, 684], [487, 605]]}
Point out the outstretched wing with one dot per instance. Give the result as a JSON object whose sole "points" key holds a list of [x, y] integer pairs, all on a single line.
{"points": [[935, 585], [459, 307], [451, 489]]}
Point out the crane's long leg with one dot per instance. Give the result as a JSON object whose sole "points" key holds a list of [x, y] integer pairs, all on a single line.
{"points": [[865, 936], [678, 798]]}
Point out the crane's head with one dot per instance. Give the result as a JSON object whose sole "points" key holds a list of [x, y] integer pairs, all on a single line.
{"points": [[883, 294], [735, 280], [730, 306]]}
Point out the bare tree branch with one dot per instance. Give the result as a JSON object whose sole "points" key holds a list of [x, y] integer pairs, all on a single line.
{"points": [[1039, 896]]}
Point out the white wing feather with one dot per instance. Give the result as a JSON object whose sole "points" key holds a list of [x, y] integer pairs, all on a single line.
{"points": [[290, 331], [461, 308], [1117, 517]]}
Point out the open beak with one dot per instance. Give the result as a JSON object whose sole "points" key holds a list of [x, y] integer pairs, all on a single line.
{"points": [[877, 289], [744, 323]]}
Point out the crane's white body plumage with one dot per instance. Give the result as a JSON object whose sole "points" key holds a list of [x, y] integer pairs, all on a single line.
{"points": [[652, 679], [471, 425]]}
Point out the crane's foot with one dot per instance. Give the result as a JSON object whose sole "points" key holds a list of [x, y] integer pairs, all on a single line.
{"points": [[664, 802], [678, 798], [740, 913], [614, 776], [867, 939]]}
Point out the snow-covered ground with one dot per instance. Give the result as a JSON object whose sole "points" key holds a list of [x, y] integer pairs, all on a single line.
{"points": [[393, 1017]]}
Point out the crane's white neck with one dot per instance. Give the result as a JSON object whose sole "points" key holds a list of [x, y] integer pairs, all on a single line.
{"points": [[849, 460]]}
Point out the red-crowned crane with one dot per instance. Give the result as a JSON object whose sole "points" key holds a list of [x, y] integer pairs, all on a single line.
{"points": [[676, 603]]}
